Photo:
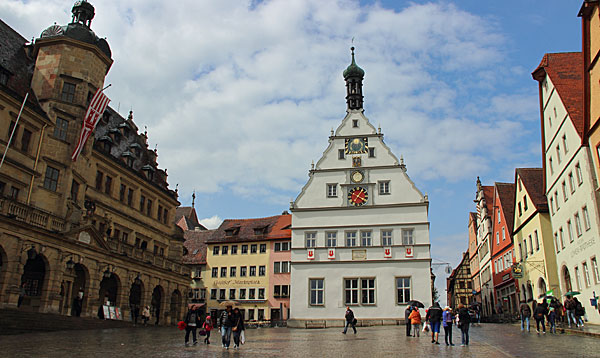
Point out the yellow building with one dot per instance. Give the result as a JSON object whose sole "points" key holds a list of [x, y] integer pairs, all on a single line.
{"points": [[77, 234], [237, 266], [536, 255]]}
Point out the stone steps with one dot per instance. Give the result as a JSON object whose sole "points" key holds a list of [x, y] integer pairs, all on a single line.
{"points": [[16, 322]]}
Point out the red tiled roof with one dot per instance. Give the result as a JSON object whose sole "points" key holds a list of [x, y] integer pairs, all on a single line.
{"points": [[533, 182], [488, 195], [190, 220], [195, 243], [506, 194], [566, 73], [245, 230]]}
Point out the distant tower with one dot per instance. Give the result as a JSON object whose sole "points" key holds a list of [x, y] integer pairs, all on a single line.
{"points": [[354, 75]]}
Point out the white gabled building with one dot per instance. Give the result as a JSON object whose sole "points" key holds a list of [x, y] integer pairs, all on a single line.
{"points": [[569, 177], [360, 229]]}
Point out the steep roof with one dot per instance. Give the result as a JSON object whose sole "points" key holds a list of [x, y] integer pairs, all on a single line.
{"points": [[186, 218], [14, 60], [247, 230], [506, 193], [533, 182], [488, 195], [566, 73], [195, 243]]}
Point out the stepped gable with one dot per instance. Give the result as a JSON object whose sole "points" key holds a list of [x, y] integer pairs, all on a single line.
{"points": [[119, 139], [195, 244], [506, 193], [566, 73], [533, 181], [245, 230], [18, 66]]}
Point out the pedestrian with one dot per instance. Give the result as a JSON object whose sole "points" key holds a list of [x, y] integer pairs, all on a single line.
{"points": [[135, 313], [525, 315], [570, 308], [448, 321], [464, 319], [579, 312], [207, 326], [434, 317], [539, 313], [415, 321], [407, 313], [350, 320], [552, 319], [238, 327], [22, 293], [191, 322], [146, 315], [226, 324], [77, 303]]}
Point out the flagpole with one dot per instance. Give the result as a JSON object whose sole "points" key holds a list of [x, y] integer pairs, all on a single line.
{"points": [[14, 129]]}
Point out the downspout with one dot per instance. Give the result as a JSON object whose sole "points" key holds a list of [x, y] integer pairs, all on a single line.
{"points": [[37, 158]]}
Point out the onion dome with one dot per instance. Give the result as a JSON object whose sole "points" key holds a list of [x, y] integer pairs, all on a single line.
{"points": [[353, 70]]}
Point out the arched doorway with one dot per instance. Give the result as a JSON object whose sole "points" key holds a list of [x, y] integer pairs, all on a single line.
{"points": [[530, 291], [78, 295], [175, 308], [135, 299], [567, 279], [542, 287], [109, 289], [156, 303], [34, 274]]}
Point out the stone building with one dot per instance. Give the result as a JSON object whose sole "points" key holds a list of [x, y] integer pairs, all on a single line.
{"points": [[360, 229], [100, 227]]}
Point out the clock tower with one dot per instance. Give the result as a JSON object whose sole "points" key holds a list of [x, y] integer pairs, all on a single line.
{"points": [[360, 229]]}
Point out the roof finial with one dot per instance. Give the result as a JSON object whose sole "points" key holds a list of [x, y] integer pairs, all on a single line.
{"points": [[352, 50], [193, 197]]}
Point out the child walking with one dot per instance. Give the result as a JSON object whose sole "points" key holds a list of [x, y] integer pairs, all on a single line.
{"points": [[207, 326]]}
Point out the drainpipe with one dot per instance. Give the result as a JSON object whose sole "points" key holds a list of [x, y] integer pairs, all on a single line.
{"points": [[37, 158]]}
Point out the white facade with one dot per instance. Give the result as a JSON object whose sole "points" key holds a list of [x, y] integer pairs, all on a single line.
{"points": [[571, 198], [484, 250], [387, 274]]}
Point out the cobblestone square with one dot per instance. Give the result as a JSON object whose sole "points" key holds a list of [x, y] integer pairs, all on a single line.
{"points": [[488, 341]]}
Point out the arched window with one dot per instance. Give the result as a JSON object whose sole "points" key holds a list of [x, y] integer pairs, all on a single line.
{"points": [[542, 287], [567, 279]]}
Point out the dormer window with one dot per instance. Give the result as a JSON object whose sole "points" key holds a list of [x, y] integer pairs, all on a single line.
{"points": [[129, 158], [136, 148], [4, 75], [259, 231], [229, 232], [149, 170]]}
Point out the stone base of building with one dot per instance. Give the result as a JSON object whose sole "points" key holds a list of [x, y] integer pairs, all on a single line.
{"points": [[329, 323]]}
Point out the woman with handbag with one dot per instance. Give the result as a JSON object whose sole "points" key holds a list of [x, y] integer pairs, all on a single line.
{"points": [[238, 327]]}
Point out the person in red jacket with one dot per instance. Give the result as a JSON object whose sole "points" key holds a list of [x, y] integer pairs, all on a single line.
{"points": [[207, 326]]}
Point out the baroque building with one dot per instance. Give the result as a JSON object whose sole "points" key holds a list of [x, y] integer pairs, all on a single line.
{"points": [[101, 227], [360, 229]]}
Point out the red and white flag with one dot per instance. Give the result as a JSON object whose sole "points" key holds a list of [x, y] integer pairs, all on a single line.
{"points": [[92, 116]]}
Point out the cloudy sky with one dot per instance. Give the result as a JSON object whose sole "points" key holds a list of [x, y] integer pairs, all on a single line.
{"points": [[240, 96]]}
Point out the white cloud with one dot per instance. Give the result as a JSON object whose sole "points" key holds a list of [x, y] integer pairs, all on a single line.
{"points": [[241, 98], [212, 222]]}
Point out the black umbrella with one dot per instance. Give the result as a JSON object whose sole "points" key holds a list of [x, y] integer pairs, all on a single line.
{"points": [[415, 303]]}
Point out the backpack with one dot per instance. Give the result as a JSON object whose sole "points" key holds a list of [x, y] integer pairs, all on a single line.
{"points": [[579, 309]]}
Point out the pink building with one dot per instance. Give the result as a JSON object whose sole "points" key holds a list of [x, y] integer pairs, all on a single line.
{"points": [[279, 272]]}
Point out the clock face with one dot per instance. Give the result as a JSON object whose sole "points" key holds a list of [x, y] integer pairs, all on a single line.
{"points": [[357, 176], [356, 145], [358, 196]]}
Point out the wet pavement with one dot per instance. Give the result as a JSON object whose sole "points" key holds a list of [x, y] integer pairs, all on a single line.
{"points": [[489, 341]]}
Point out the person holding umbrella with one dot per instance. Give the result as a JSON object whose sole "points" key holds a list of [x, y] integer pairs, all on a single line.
{"points": [[407, 313]]}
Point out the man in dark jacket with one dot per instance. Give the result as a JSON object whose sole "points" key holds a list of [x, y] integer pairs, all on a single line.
{"points": [[525, 315], [539, 313], [407, 313], [350, 320], [570, 307], [434, 316], [464, 320], [226, 323], [192, 319]]}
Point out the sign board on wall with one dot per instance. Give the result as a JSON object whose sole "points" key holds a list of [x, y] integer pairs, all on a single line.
{"points": [[310, 254], [331, 254], [409, 251], [387, 252]]}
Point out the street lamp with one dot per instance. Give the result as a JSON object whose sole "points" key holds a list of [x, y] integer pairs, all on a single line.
{"points": [[70, 264]]}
